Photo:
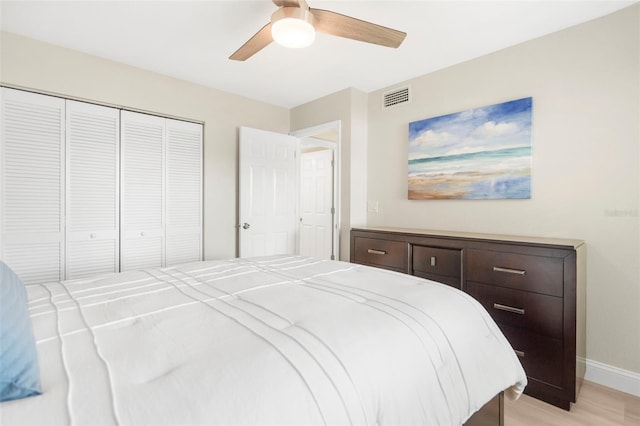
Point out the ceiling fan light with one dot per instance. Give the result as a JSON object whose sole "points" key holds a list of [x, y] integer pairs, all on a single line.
{"points": [[292, 27]]}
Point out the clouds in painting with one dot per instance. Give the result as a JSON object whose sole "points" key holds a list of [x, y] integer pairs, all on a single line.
{"points": [[489, 128]]}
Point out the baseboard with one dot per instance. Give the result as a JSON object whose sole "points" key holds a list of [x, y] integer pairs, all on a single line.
{"points": [[612, 377]]}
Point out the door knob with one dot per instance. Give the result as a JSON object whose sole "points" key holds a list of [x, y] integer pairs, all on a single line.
{"points": [[246, 226]]}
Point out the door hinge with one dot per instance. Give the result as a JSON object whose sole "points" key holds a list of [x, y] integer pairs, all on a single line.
{"points": [[333, 210]]}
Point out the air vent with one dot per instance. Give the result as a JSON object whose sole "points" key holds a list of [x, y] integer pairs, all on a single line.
{"points": [[395, 97]]}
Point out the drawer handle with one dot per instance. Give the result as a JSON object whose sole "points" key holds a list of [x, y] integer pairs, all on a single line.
{"points": [[433, 261], [508, 308], [373, 251], [508, 271], [519, 353]]}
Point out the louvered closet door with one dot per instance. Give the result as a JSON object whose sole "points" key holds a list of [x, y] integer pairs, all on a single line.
{"points": [[142, 191], [92, 150], [32, 185], [184, 194]]}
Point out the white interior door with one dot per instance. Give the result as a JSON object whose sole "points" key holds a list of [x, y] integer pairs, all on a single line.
{"points": [[268, 193], [92, 195], [32, 185], [316, 204], [183, 192], [142, 191], [326, 136]]}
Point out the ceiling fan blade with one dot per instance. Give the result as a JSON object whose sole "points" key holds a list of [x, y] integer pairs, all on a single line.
{"points": [[339, 25], [259, 41], [291, 3]]}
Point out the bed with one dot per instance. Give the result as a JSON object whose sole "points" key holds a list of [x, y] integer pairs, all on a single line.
{"points": [[279, 340]]}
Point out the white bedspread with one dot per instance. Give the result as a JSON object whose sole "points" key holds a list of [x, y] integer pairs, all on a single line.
{"points": [[277, 340]]}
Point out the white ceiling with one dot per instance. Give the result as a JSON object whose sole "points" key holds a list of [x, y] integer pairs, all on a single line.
{"points": [[192, 40]]}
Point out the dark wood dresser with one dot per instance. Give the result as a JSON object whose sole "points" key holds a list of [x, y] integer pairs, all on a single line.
{"points": [[534, 288]]}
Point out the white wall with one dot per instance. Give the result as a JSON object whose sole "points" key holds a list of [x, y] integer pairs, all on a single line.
{"points": [[585, 84], [43, 67]]}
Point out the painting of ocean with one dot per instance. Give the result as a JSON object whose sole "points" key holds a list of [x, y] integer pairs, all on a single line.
{"points": [[482, 153]]}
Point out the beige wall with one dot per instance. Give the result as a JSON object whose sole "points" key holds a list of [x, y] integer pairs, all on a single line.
{"points": [[585, 84], [350, 107], [43, 67]]}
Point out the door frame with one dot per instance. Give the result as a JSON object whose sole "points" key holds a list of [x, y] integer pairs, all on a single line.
{"points": [[327, 135]]}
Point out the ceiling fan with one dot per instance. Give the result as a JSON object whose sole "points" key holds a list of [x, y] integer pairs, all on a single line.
{"points": [[294, 25]]}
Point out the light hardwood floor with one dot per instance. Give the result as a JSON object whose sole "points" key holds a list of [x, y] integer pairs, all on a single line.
{"points": [[597, 406]]}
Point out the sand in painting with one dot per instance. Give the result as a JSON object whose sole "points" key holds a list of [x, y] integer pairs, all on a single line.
{"points": [[470, 185]]}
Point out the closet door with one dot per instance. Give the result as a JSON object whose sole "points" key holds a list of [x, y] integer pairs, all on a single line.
{"points": [[184, 192], [142, 191], [32, 185], [92, 151]]}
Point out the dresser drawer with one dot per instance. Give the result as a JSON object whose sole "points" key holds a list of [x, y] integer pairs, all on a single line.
{"points": [[541, 357], [382, 253], [535, 312], [539, 274], [452, 281], [439, 261]]}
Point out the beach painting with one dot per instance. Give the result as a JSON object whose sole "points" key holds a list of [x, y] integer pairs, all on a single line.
{"points": [[483, 153]]}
